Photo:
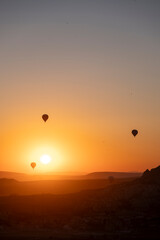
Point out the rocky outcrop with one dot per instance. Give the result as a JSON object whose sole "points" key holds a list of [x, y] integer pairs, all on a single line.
{"points": [[152, 176]]}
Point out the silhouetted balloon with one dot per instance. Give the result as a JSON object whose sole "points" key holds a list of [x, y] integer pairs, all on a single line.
{"points": [[134, 132], [33, 165], [45, 117]]}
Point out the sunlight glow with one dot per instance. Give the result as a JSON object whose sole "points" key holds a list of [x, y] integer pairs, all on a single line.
{"points": [[45, 159]]}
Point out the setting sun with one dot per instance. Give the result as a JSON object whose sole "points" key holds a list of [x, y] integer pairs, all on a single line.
{"points": [[45, 159]]}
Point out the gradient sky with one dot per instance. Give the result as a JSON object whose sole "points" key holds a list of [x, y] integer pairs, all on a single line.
{"points": [[94, 67]]}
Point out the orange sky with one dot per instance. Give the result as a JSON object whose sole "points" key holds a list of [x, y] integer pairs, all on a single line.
{"points": [[94, 68]]}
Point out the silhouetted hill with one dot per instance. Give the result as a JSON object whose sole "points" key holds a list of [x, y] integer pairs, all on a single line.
{"points": [[14, 187], [15, 175], [152, 176], [105, 175], [7, 181], [59, 176], [66, 184]]}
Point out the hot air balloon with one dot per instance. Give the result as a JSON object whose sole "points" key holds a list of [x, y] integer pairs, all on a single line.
{"points": [[45, 117], [33, 165], [134, 132]]}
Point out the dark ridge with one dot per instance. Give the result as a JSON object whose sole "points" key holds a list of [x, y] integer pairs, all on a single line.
{"points": [[105, 175], [152, 176], [7, 180]]}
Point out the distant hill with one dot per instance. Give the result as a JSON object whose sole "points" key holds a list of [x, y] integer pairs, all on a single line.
{"points": [[22, 184], [105, 175], [15, 175], [56, 176], [14, 187]]}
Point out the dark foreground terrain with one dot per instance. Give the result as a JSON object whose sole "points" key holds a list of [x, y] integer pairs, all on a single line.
{"points": [[127, 210]]}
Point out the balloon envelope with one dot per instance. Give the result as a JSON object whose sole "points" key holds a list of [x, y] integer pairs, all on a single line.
{"points": [[33, 165], [45, 117], [134, 132]]}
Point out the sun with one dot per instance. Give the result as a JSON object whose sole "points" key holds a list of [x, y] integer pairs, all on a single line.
{"points": [[45, 159]]}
